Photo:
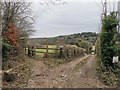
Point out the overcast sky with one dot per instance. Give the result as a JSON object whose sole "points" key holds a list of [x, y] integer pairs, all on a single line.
{"points": [[73, 17]]}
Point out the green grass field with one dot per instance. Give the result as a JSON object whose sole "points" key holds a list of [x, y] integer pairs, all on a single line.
{"points": [[44, 50]]}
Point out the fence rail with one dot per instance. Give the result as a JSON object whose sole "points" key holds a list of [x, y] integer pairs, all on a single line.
{"points": [[49, 48]]}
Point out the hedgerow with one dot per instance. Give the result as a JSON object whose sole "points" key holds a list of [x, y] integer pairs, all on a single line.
{"points": [[106, 49]]}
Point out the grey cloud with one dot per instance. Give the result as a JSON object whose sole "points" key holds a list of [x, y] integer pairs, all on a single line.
{"points": [[66, 19]]}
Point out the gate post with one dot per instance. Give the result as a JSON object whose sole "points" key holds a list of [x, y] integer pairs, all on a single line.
{"points": [[33, 52]]}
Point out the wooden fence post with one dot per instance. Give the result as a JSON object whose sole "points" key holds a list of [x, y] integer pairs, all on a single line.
{"points": [[34, 51], [46, 49], [74, 52], [61, 52], [29, 53], [68, 53], [25, 49], [57, 51]]}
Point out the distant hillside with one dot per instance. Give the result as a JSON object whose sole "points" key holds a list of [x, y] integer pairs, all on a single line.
{"points": [[66, 39]]}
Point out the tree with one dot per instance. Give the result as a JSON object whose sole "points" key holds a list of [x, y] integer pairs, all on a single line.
{"points": [[12, 34], [16, 19], [108, 39], [106, 48], [18, 13]]}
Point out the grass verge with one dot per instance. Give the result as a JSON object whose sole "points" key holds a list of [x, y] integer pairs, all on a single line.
{"points": [[108, 77]]}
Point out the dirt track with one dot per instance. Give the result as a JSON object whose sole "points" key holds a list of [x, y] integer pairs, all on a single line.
{"points": [[65, 76]]}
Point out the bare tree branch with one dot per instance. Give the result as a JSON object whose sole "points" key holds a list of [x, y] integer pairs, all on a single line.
{"points": [[19, 13], [50, 3]]}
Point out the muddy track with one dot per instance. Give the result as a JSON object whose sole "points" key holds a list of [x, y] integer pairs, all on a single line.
{"points": [[65, 76]]}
